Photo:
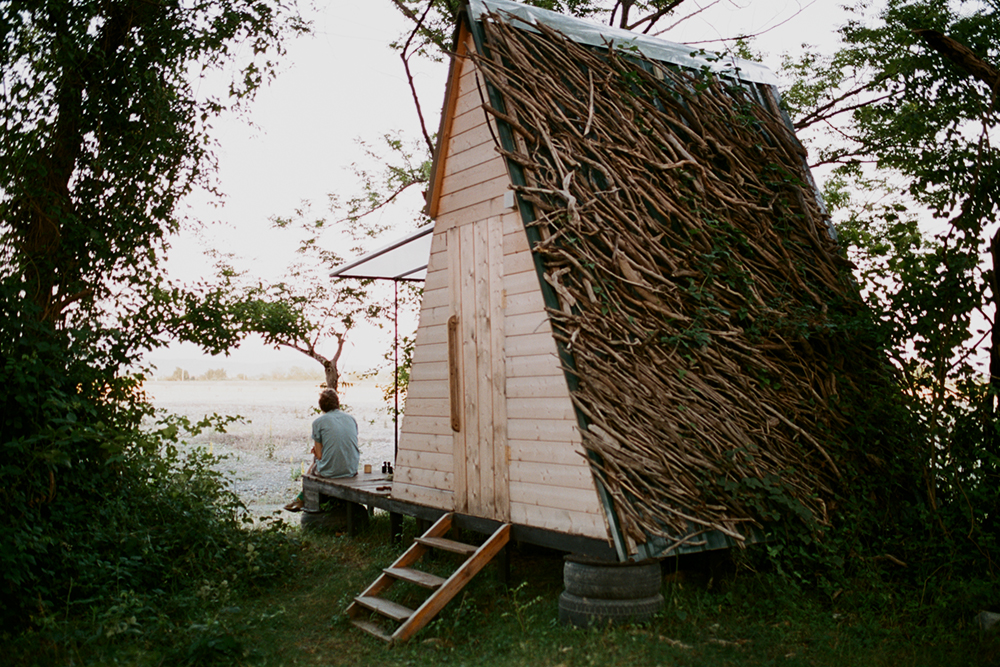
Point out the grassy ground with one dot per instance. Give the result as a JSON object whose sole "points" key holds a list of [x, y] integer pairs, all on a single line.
{"points": [[741, 620], [725, 619]]}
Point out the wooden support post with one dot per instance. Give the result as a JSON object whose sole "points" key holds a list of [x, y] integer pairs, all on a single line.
{"points": [[395, 527], [503, 565], [352, 527], [311, 497], [357, 518]]}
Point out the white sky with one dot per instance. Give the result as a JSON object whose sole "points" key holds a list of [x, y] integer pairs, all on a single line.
{"points": [[343, 83]]}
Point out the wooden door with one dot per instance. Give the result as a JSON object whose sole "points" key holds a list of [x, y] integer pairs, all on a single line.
{"points": [[478, 369]]}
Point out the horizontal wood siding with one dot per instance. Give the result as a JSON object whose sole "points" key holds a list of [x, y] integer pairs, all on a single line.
{"points": [[411, 458], [520, 406], [531, 408], [422, 495], [540, 451], [551, 485], [588, 524], [424, 463]]}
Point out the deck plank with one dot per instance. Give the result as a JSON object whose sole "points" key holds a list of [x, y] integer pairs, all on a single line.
{"points": [[447, 545]]}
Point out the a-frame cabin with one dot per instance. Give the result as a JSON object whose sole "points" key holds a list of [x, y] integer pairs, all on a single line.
{"points": [[510, 414]]}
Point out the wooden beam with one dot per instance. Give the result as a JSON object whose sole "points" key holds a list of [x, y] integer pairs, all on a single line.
{"points": [[458, 61]]}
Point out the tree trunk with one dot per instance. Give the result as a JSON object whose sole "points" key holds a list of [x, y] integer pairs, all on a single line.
{"points": [[332, 375], [995, 333]]}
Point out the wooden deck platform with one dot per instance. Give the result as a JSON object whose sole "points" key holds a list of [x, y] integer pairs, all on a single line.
{"points": [[367, 492]]}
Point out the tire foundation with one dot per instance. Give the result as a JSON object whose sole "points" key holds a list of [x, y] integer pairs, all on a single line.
{"points": [[601, 593]]}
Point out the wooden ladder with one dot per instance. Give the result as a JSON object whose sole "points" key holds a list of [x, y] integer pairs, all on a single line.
{"points": [[412, 620]]}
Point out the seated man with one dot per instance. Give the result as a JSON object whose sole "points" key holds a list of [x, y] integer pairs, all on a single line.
{"points": [[335, 444]]}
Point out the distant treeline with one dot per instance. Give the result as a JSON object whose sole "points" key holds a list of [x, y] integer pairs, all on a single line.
{"points": [[216, 374]]}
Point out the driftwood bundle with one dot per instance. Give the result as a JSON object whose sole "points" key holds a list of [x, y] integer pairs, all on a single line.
{"points": [[697, 282]]}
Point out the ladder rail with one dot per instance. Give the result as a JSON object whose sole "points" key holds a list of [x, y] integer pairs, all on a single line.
{"points": [[423, 614], [443, 590], [408, 557]]}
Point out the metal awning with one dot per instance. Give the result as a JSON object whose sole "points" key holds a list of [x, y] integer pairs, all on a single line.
{"points": [[403, 259]]}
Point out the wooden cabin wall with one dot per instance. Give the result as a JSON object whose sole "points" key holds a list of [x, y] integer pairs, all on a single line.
{"points": [[517, 455]]}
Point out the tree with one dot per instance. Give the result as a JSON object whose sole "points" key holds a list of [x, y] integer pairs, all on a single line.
{"points": [[179, 375], [909, 107], [103, 132], [305, 310]]}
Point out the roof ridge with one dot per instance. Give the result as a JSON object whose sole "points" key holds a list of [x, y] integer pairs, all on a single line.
{"points": [[594, 34]]}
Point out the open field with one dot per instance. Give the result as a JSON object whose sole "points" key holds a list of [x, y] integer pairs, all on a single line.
{"points": [[272, 443]]}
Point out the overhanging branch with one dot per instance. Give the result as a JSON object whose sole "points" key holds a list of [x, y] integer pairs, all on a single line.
{"points": [[964, 57]]}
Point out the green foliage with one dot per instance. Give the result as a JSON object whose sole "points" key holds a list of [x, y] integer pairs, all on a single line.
{"points": [[914, 195], [103, 132], [933, 120], [99, 508]]}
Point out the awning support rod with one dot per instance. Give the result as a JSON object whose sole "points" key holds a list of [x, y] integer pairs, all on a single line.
{"points": [[395, 370]]}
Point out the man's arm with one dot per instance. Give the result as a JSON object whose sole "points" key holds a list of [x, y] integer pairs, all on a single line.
{"points": [[317, 455]]}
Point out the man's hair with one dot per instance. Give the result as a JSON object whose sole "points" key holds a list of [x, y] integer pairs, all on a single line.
{"points": [[328, 400]]}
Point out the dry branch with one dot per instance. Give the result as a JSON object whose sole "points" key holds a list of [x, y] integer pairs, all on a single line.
{"points": [[696, 281]]}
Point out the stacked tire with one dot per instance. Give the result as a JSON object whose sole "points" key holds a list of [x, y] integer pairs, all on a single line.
{"points": [[600, 592]]}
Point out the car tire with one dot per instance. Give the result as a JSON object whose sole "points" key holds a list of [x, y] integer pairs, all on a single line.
{"points": [[612, 581], [588, 612]]}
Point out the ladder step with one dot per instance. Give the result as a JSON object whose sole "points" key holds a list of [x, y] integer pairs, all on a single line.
{"points": [[371, 629], [447, 545], [417, 577], [387, 608]]}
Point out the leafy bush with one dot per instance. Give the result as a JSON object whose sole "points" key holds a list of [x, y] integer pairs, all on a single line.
{"points": [[107, 519]]}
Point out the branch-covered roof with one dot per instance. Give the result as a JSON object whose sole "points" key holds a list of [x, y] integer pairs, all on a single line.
{"points": [[710, 324]]}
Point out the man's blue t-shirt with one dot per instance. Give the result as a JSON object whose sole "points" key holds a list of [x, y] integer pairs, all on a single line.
{"points": [[338, 433]]}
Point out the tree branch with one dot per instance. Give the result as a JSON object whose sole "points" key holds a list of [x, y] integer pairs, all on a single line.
{"points": [[689, 16], [341, 339], [964, 57], [816, 117], [410, 14], [409, 75], [654, 17], [388, 200], [757, 34], [614, 10]]}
